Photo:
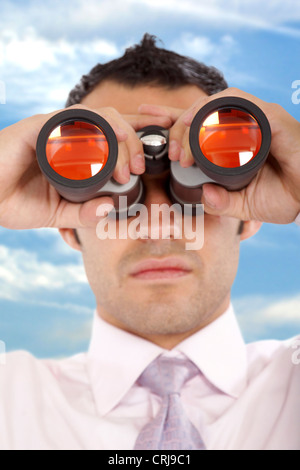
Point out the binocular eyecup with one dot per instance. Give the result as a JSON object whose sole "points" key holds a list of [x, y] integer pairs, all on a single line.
{"points": [[230, 139]]}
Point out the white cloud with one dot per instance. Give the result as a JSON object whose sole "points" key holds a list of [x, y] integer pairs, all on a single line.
{"points": [[42, 71], [258, 315], [22, 275], [39, 71], [203, 48], [28, 52], [46, 46], [284, 310], [67, 307], [252, 14], [56, 17]]}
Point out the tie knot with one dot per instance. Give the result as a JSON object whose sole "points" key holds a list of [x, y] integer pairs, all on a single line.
{"points": [[166, 376]]}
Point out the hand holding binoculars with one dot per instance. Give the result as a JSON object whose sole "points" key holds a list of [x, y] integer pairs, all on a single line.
{"points": [[230, 139]]}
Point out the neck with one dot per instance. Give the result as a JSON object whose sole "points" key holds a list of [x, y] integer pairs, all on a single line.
{"points": [[168, 341]]}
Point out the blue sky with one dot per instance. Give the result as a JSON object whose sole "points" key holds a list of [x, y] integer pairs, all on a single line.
{"points": [[46, 305]]}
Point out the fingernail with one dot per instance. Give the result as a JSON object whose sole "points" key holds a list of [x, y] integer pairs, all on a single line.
{"points": [[126, 171], [122, 135], [188, 118], [182, 157], [174, 150], [210, 200], [139, 162]]}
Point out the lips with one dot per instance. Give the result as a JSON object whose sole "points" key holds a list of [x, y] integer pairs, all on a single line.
{"points": [[176, 266]]}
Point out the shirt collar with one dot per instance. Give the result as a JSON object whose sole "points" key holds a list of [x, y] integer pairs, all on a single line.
{"points": [[220, 353], [116, 358]]}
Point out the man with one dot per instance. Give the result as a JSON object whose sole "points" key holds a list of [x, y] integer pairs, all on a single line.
{"points": [[160, 308]]}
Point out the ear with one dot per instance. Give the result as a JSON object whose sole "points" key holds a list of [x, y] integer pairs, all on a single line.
{"points": [[251, 227], [69, 236]]}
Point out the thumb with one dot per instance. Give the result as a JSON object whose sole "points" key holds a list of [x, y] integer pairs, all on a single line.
{"points": [[218, 201], [75, 215]]}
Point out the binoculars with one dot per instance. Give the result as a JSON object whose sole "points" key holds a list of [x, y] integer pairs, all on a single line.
{"points": [[230, 140]]}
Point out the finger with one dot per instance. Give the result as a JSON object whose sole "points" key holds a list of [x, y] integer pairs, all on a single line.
{"points": [[130, 155], [131, 158], [178, 140], [139, 121], [121, 130], [175, 150], [218, 201], [136, 154], [118, 125], [186, 156], [121, 134], [85, 215], [163, 111], [122, 169]]}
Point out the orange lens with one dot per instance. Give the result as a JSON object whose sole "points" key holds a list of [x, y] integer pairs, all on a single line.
{"points": [[77, 150], [230, 138]]}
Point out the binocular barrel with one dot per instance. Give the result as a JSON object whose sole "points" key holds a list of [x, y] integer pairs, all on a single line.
{"points": [[230, 139]]}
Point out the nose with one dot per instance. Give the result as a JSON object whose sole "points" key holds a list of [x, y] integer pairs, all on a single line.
{"points": [[161, 219]]}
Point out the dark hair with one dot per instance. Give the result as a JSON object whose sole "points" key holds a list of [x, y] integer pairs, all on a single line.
{"points": [[145, 64]]}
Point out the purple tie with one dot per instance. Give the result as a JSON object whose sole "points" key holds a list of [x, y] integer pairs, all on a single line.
{"points": [[170, 429]]}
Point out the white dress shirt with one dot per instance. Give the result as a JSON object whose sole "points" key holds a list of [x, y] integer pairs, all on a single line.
{"points": [[245, 397]]}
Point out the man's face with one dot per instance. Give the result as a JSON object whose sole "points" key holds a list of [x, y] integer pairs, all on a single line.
{"points": [[168, 309]]}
